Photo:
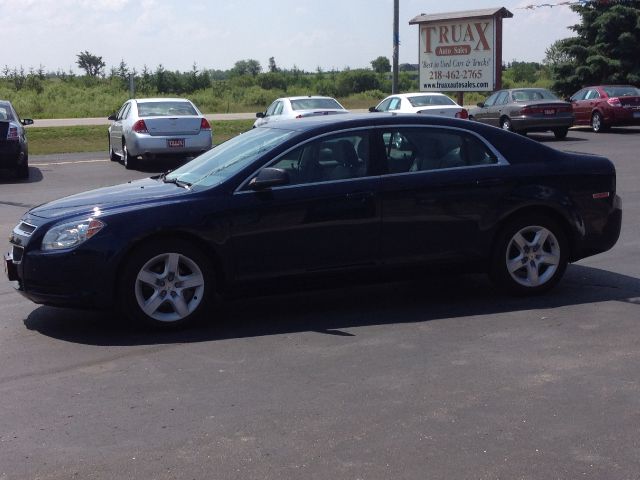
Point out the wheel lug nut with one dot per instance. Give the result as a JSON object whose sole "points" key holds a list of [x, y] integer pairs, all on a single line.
{"points": [[163, 293]]}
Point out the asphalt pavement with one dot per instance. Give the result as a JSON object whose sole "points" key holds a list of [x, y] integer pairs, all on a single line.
{"points": [[437, 377]]}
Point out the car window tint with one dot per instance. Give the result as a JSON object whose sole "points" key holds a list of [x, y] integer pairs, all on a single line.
{"points": [[426, 100], [592, 94], [337, 157], [5, 113], [491, 100], [579, 95], [271, 108], [502, 98], [278, 109], [421, 149], [125, 112], [384, 105], [312, 103], [165, 109], [622, 91], [120, 115], [394, 104]]}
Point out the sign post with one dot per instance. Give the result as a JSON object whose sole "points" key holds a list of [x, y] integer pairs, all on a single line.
{"points": [[461, 51]]}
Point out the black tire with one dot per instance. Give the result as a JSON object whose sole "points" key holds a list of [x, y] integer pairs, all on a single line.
{"points": [[112, 155], [597, 122], [472, 118], [505, 124], [530, 255], [22, 171], [561, 133], [130, 162], [152, 294]]}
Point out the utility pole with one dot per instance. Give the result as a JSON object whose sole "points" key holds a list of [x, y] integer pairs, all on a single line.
{"points": [[396, 43]]}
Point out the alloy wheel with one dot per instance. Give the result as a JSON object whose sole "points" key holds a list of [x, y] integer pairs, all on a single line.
{"points": [[533, 256]]}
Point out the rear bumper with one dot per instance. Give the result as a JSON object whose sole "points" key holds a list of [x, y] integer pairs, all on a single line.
{"points": [[605, 237], [623, 117], [541, 124], [9, 154], [143, 144]]}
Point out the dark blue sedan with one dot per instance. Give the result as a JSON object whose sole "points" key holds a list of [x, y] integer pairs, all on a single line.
{"points": [[341, 193]]}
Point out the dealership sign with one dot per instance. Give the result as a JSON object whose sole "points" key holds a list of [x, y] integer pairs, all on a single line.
{"points": [[461, 51]]}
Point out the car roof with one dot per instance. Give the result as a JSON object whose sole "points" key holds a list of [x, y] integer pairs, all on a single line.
{"points": [[302, 97], [419, 94], [161, 99]]}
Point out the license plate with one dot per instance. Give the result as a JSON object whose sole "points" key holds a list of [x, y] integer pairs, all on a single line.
{"points": [[175, 142], [549, 111]]}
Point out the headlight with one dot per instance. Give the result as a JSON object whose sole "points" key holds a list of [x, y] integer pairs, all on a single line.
{"points": [[67, 235]]}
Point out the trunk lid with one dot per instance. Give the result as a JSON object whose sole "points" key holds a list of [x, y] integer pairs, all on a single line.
{"points": [[162, 126]]}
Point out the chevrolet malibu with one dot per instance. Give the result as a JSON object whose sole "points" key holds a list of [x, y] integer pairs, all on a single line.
{"points": [[335, 193], [144, 128]]}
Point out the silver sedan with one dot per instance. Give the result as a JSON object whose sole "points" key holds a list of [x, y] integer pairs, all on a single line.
{"points": [[289, 108], [150, 127]]}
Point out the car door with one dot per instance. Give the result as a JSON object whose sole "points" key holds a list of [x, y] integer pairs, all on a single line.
{"points": [[439, 195], [482, 114], [268, 114], [496, 111], [327, 217], [117, 128], [579, 106]]}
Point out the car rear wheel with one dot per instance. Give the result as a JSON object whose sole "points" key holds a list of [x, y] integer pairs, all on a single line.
{"points": [[561, 133], [22, 171], [505, 124], [167, 284], [128, 160], [597, 122], [530, 255]]}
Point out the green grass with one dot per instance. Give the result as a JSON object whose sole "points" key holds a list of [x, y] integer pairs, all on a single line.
{"points": [[51, 140]]}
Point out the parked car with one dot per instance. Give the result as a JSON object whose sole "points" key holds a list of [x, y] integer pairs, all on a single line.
{"points": [[605, 106], [145, 128], [298, 107], [431, 103], [14, 148], [330, 194], [525, 110]]}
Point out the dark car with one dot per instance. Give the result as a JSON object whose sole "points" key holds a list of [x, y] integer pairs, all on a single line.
{"points": [[14, 149], [338, 193], [606, 106], [525, 110]]}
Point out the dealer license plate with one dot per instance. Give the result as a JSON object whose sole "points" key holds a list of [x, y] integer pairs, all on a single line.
{"points": [[175, 142], [549, 111]]}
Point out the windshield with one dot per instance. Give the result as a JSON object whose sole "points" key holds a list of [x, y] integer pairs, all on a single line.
{"points": [[165, 109], [227, 159], [426, 100], [622, 91], [533, 94], [5, 112], [312, 103]]}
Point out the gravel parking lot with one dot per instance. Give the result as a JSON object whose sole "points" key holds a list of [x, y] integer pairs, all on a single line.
{"points": [[437, 377]]}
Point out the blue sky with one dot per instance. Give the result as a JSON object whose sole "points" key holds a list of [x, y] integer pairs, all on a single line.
{"points": [[215, 33]]}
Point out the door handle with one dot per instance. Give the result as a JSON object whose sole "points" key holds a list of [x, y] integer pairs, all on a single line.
{"points": [[488, 182]]}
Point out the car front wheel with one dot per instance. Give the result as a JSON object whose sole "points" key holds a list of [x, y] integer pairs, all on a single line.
{"points": [[112, 155], [506, 124], [530, 255], [128, 160], [166, 284]]}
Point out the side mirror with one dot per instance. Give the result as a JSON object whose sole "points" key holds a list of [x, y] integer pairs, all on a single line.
{"points": [[27, 121], [260, 115], [269, 177], [373, 109], [112, 117], [568, 100], [480, 104]]}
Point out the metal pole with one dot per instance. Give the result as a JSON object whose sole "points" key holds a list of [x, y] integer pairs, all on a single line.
{"points": [[396, 43], [132, 89]]}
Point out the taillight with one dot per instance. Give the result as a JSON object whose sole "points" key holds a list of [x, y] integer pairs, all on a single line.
{"points": [[204, 124], [462, 113], [13, 133], [614, 102], [140, 127]]}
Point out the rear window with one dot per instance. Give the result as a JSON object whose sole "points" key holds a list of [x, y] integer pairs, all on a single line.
{"points": [[537, 94], [5, 112], [622, 91], [313, 103], [165, 109], [426, 100]]}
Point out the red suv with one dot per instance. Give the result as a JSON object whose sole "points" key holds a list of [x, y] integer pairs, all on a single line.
{"points": [[604, 106]]}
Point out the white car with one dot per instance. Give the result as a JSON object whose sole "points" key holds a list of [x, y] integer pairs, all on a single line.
{"points": [[150, 127], [429, 103], [288, 108]]}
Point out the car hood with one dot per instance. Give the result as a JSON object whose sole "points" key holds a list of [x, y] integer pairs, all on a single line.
{"points": [[148, 190]]}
